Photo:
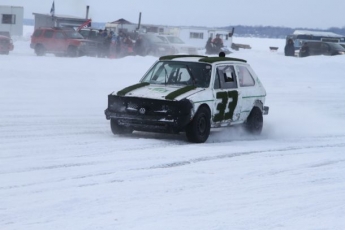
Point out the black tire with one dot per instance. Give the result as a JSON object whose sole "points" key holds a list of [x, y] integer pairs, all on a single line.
{"points": [[119, 129], [254, 121], [72, 51], [39, 50], [198, 130]]}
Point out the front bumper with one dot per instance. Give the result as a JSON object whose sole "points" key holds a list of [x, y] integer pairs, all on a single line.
{"points": [[148, 114], [150, 123]]}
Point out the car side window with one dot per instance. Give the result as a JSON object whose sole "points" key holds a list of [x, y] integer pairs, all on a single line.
{"points": [[37, 33], [244, 77], [226, 77], [59, 35], [48, 34], [325, 48]]}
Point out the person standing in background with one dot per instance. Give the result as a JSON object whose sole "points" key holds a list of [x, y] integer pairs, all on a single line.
{"points": [[289, 49]]}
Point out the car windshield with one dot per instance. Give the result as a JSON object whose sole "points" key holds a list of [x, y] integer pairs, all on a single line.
{"points": [[91, 34], [336, 46], [73, 34], [175, 40], [179, 73], [153, 38]]}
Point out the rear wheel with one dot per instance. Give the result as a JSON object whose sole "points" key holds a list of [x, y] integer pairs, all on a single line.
{"points": [[254, 121], [119, 129], [198, 129], [39, 50], [72, 51]]}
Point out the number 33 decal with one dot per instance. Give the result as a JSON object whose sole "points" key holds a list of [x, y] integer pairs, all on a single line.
{"points": [[224, 104]]}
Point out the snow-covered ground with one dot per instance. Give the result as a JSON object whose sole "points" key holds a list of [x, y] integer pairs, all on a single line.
{"points": [[62, 168]]}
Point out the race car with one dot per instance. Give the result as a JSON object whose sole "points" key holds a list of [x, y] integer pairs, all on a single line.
{"points": [[191, 94]]}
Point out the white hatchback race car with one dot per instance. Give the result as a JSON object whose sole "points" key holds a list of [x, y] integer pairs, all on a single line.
{"points": [[191, 94]]}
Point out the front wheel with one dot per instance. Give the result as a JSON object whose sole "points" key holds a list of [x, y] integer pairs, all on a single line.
{"points": [[198, 129], [119, 129], [254, 121]]}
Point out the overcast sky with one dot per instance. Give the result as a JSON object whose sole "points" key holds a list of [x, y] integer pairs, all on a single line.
{"points": [[292, 13]]}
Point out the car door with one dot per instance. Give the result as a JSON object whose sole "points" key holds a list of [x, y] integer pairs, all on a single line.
{"points": [[59, 42], [227, 104], [249, 90], [48, 43], [325, 49], [315, 48]]}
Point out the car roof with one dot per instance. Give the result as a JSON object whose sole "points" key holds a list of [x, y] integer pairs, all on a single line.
{"points": [[55, 28], [167, 35], [91, 28], [4, 37], [200, 58]]}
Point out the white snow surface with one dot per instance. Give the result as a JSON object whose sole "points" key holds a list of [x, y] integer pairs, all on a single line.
{"points": [[62, 168]]}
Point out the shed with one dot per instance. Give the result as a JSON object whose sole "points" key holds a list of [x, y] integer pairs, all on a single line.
{"points": [[121, 25], [47, 20], [12, 19]]}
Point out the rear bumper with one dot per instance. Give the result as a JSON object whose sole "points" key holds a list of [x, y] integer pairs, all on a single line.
{"points": [[6, 47]]}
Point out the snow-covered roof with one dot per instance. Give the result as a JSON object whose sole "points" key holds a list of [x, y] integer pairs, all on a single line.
{"points": [[60, 16], [317, 33]]}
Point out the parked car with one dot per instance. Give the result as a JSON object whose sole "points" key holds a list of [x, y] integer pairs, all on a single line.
{"points": [[179, 46], [6, 45], [89, 33], [324, 48], [93, 34], [191, 94], [5, 33], [62, 42], [155, 46]]}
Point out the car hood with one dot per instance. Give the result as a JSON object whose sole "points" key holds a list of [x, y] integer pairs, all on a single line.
{"points": [[162, 92], [182, 45], [82, 40], [87, 40]]}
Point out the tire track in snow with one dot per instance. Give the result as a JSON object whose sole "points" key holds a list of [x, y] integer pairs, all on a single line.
{"points": [[231, 155]]}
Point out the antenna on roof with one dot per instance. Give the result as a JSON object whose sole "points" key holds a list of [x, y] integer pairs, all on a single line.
{"points": [[139, 21]]}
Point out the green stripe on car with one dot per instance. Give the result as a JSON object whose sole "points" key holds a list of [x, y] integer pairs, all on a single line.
{"points": [[126, 90], [176, 93]]}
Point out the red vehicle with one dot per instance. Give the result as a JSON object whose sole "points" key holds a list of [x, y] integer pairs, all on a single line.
{"points": [[6, 45], [61, 42]]}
